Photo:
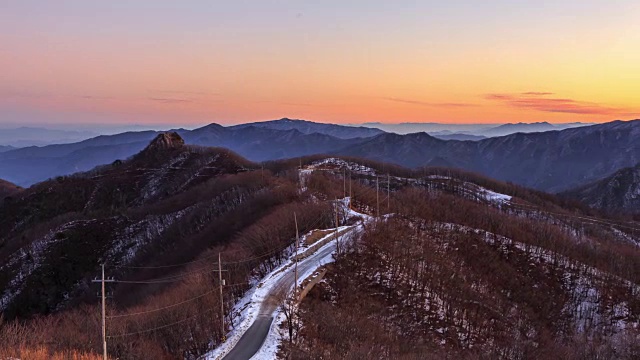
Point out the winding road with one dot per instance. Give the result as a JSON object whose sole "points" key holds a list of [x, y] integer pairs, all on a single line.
{"points": [[256, 334]]}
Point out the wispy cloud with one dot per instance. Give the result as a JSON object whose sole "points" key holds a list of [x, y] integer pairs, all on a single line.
{"points": [[171, 100], [426, 103], [183, 92], [93, 97], [536, 93], [540, 101]]}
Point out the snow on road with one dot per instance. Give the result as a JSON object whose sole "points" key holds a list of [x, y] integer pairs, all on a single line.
{"points": [[322, 257], [251, 305]]}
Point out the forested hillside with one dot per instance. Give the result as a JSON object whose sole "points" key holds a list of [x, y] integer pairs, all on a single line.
{"points": [[456, 271], [453, 262], [618, 193]]}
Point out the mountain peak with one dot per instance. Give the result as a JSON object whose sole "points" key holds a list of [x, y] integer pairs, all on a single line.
{"points": [[167, 140]]}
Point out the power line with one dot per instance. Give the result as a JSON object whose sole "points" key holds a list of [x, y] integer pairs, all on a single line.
{"points": [[585, 219], [208, 258], [161, 308], [159, 327], [176, 278], [179, 277], [168, 279]]}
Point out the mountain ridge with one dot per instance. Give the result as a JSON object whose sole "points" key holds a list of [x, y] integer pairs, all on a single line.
{"points": [[619, 192], [310, 127], [553, 161]]}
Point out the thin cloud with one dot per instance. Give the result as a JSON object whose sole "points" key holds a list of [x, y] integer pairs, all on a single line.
{"points": [[171, 100], [537, 93], [425, 103], [92, 97], [182, 92], [539, 102]]}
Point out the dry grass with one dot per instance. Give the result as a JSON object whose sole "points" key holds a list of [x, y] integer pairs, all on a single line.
{"points": [[315, 236], [42, 353]]}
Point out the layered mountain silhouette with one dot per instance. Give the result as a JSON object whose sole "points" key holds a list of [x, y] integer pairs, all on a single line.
{"points": [[36, 136], [508, 129], [310, 127], [486, 130], [552, 161], [461, 137], [27, 166]]}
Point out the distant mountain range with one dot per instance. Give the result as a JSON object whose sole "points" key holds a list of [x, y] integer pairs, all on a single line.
{"points": [[552, 161], [461, 137], [486, 130], [4, 148], [310, 127], [619, 192], [36, 136], [259, 143], [408, 128], [508, 129], [26, 166]]}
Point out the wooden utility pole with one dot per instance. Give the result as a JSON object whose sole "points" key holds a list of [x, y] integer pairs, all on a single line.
{"points": [[103, 311], [300, 174], [295, 291], [222, 328], [336, 232], [344, 182], [104, 319], [377, 196], [350, 196], [388, 192]]}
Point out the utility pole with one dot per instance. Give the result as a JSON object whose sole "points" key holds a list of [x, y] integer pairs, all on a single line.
{"points": [[300, 174], [350, 198], [388, 191], [295, 292], [104, 319], [103, 297], [377, 196], [344, 181], [222, 328], [336, 232]]}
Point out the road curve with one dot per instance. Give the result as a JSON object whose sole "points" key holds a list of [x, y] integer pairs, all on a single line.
{"points": [[254, 337]]}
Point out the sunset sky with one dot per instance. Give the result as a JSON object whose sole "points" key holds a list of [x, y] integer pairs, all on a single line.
{"points": [[194, 62]]}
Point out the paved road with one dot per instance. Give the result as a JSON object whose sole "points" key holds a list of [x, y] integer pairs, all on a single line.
{"points": [[255, 336]]}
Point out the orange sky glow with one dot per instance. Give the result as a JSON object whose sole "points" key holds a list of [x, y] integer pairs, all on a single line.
{"points": [[194, 63]]}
